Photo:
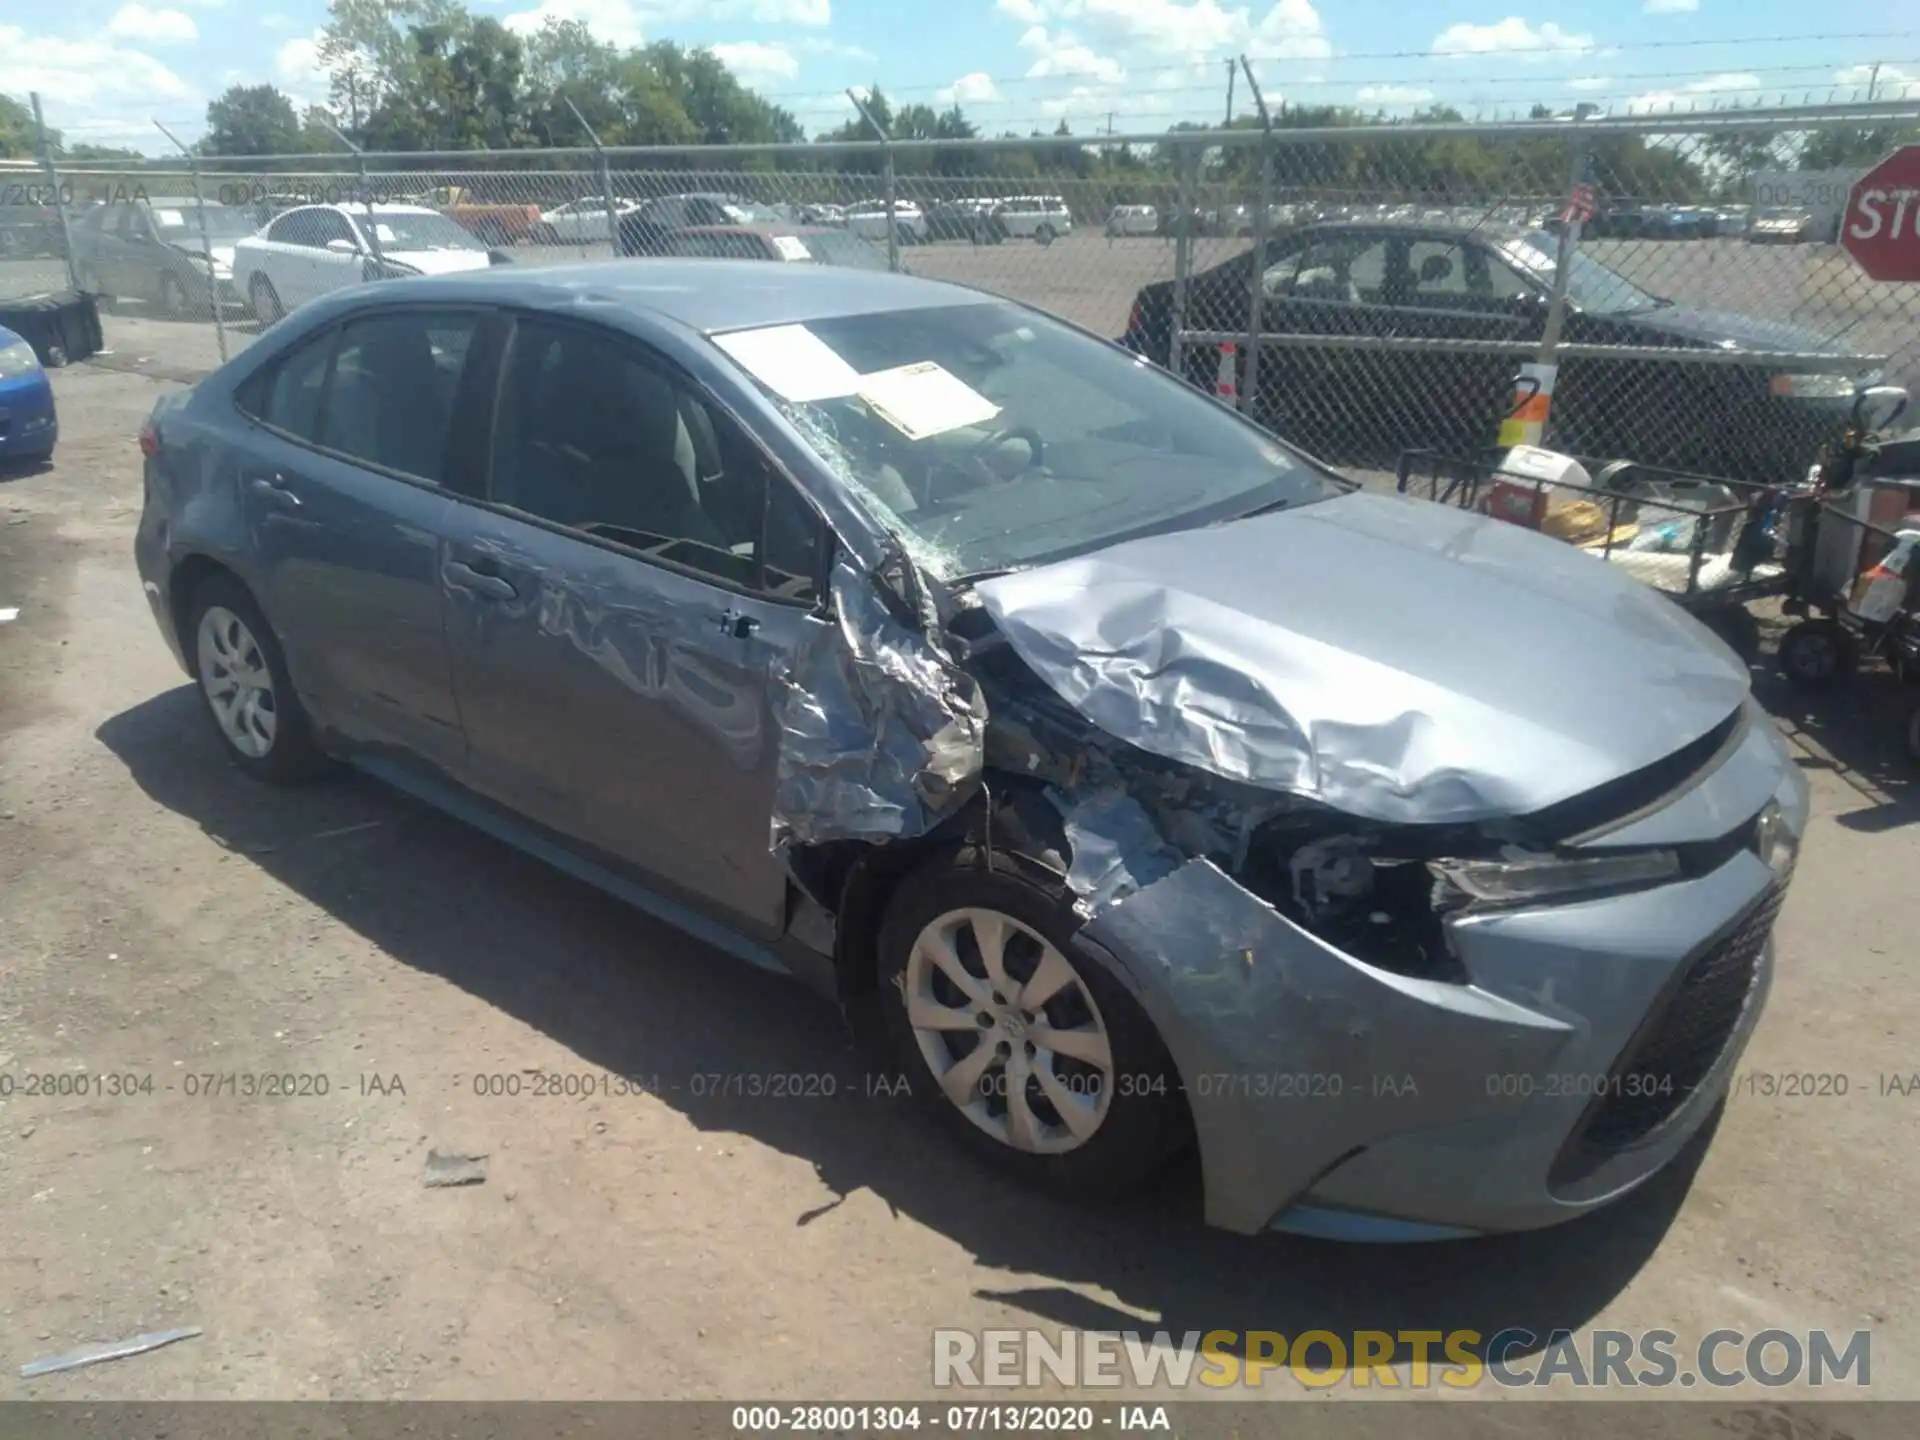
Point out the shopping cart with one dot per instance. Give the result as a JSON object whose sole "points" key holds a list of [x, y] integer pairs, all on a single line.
{"points": [[1712, 544]]}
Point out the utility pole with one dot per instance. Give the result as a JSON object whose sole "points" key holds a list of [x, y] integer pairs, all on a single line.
{"points": [[1873, 81], [1233, 68]]}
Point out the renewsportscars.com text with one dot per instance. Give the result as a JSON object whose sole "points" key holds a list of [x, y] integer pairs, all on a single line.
{"points": [[1404, 1359]]}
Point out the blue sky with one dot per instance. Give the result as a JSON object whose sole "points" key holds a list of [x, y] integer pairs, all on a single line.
{"points": [[105, 68]]}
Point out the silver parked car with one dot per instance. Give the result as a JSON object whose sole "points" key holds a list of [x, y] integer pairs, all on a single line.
{"points": [[1151, 786]]}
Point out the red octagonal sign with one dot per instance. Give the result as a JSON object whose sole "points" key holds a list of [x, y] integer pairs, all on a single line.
{"points": [[1881, 226]]}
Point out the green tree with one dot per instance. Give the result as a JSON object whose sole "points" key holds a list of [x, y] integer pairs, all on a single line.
{"points": [[1854, 148], [461, 91], [252, 120], [16, 130]]}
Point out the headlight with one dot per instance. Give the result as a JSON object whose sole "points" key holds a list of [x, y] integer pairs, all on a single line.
{"points": [[1774, 840], [18, 359], [1521, 878], [1814, 387]]}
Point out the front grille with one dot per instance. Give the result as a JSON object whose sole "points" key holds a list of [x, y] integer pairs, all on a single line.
{"points": [[1679, 1044]]}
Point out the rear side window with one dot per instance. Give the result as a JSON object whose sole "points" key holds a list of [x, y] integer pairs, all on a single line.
{"points": [[379, 389], [390, 400]]}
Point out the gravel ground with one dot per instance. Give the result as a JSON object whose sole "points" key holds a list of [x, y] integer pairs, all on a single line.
{"points": [[165, 918]]}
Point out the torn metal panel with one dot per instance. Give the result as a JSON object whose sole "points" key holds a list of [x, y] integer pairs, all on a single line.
{"points": [[1294, 1054], [1319, 651], [881, 734], [1115, 848]]}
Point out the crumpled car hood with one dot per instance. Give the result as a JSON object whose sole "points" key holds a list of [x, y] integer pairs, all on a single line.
{"points": [[1399, 660]]}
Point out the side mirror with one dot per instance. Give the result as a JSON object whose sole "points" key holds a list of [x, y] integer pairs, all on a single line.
{"points": [[1875, 407], [343, 247]]}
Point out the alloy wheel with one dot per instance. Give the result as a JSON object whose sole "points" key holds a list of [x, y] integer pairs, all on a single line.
{"points": [[237, 681], [1009, 1030]]}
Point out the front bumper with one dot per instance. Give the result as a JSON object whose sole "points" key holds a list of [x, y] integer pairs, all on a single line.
{"points": [[29, 423], [1337, 1099]]}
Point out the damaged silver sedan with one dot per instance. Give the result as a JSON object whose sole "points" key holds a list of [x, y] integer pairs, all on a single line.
{"points": [[1150, 786]]}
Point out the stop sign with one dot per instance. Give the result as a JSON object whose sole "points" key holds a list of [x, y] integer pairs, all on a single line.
{"points": [[1880, 227]]}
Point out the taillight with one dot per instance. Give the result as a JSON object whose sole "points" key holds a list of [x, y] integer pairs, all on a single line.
{"points": [[149, 440], [1136, 321]]}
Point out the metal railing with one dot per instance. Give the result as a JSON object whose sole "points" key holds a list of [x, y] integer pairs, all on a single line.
{"points": [[1360, 290]]}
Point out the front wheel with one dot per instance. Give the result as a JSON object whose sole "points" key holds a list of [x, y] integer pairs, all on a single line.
{"points": [[265, 300], [243, 680], [1025, 1047], [173, 299], [1816, 653]]}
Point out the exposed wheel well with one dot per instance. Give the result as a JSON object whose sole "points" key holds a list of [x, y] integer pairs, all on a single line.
{"points": [[1010, 814], [187, 578]]}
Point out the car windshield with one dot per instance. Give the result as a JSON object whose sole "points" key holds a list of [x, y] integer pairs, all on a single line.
{"points": [[181, 225], [837, 247], [748, 212], [988, 438], [421, 232], [1590, 285]]}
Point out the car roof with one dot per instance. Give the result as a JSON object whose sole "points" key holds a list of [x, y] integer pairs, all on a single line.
{"points": [[708, 296], [1418, 228], [759, 227], [380, 209]]}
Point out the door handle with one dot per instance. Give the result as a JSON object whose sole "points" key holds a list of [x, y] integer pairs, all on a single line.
{"points": [[465, 577], [274, 488], [737, 623]]}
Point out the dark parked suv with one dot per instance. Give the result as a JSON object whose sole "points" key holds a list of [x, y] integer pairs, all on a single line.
{"points": [[1388, 284]]}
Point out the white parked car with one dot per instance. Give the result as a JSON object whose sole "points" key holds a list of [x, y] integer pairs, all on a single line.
{"points": [[1036, 217], [868, 218], [581, 222], [317, 249], [1131, 220]]}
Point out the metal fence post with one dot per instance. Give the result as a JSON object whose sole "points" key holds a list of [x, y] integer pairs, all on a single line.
{"points": [[1256, 284], [53, 179], [366, 200], [1549, 356], [1186, 162], [606, 178], [886, 154], [206, 241]]}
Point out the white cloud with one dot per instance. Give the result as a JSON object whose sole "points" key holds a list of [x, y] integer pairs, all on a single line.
{"points": [[975, 89], [152, 27], [1728, 88], [1511, 36], [755, 60], [614, 21], [787, 12], [1890, 83], [1589, 82], [814, 45], [277, 20], [297, 70], [1063, 55], [98, 91], [1024, 11], [1293, 30], [1393, 95], [1669, 7]]}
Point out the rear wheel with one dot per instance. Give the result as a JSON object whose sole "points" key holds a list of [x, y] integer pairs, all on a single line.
{"points": [[1024, 1046], [1044, 235], [243, 680], [173, 298], [1816, 653]]}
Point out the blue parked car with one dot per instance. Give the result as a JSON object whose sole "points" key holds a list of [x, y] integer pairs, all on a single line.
{"points": [[1146, 783], [28, 424]]}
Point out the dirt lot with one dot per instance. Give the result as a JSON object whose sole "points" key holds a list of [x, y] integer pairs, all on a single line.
{"points": [[162, 918]]}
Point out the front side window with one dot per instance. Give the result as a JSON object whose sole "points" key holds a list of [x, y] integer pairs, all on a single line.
{"points": [[594, 435], [989, 437], [390, 397]]}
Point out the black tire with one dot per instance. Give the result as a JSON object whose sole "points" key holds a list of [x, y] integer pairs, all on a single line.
{"points": [[1043, 235], [265, 300], [1816, 653], [173, 297], [293, 756], [1145, 1122]]}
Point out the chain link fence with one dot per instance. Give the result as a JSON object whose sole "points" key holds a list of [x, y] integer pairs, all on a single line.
{"points": [[1360, 291]]}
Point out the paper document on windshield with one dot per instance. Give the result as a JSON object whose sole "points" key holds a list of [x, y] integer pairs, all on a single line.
{"points": [[792, 247], [166, 219], [792, 361], [924, 399]]}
